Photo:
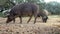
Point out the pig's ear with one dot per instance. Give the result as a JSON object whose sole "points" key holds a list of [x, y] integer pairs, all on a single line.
{"points": [[7, 15]]}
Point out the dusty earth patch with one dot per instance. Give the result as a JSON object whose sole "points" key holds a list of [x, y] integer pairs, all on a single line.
{"points": [[51, 27]]}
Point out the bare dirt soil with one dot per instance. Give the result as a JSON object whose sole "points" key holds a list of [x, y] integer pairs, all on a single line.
{"points": [[51, 27]]}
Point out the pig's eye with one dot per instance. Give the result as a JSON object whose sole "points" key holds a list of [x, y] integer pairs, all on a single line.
{"points": [[10, 19]]}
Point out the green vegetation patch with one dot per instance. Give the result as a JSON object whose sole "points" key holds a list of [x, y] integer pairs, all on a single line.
{"points": [[1, 15]]}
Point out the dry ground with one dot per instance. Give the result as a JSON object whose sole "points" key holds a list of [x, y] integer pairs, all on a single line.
{"points": [[51, 27]]}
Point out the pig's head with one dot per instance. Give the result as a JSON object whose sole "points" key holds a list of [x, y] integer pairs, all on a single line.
{"points": [[9, 18], [44, 19]]}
